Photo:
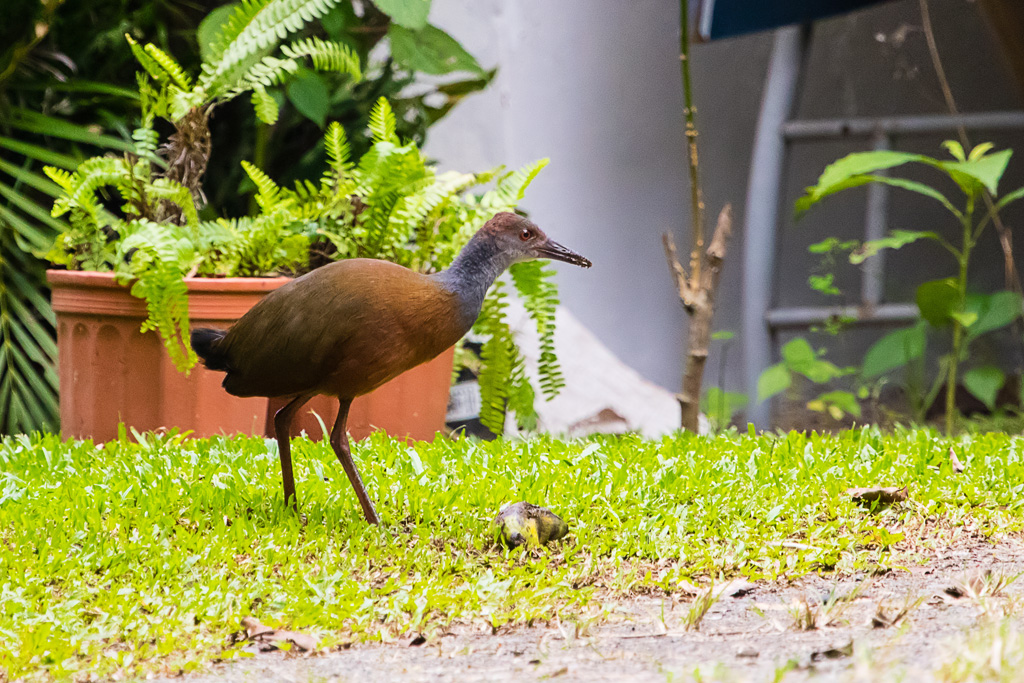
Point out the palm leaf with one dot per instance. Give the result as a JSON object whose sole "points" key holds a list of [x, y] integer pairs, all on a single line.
{"points": [[28, 349]]}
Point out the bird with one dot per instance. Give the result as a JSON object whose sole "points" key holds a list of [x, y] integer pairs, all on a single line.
{"points": [[347, 327]]}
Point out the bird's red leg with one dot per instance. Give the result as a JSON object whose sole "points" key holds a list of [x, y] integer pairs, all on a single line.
{"points": [[283, 431], [339, 442]]}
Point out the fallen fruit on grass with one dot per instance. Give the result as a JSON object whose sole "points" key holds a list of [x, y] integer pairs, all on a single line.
{"points": [[527, 523]]}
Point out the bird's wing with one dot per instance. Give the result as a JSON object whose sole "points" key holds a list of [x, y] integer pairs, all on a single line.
{"points": [[342, 329]]}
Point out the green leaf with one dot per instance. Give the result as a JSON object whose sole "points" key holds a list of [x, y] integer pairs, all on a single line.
{"points": [[837, 404], [1010, 198], [993, 311], [894, 350], [937, 300], [774, 380], [430, 51], [720, 406], [984, 383], [979, 151], [34, 122], [955, 149], [800, 357], [965, 318], [408, 13], [210, 28], [382, 122], [38, 153], [265, 106], [895, 240], [798, 353], [986, 170], [850, 172], [920, 188], [723, 335], [830, 244], [824, 284], [309, 94]]}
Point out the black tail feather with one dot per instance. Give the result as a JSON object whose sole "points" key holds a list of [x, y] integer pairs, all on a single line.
{"points": [[206, 343]]}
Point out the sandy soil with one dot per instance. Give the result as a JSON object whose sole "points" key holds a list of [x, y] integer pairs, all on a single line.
{"points": [[749, 637]]}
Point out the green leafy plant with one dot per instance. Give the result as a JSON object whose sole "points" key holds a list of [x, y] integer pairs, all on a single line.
{"points": [[37, 126], [944, 304], [800, 359], [393, 205], [28, 350], [390, 204], [718, 405], [395, 47], [67, 93]]}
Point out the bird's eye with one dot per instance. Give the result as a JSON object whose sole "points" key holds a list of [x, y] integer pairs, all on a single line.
{"points": [[526, 234]]}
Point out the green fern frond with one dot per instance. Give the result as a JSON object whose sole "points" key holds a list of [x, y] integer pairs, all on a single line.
{"points": [[81, 186], [267, 191], [496, 356], [159, 65], [326, 56], [64, 179], [161, 255], [146, 142], [166, 296], [165, 189], [511, 188], [535, 283], [151, 102], [339, 152], [231, 29], [174, 71], [267, 72], [265, 106], [503, 382], [382, 122], [251, 32], [146, 61]]}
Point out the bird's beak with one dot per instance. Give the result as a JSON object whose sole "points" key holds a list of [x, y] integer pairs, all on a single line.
{"points": [[553, 250]]}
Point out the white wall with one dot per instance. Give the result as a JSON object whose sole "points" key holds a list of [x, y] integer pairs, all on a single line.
{"points": [[595, 86]]}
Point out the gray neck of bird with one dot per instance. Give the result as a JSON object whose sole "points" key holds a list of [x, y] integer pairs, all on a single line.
{"points": [[472, 273]]}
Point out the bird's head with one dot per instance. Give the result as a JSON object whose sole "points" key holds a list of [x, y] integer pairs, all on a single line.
{"points": [[523, 240]]}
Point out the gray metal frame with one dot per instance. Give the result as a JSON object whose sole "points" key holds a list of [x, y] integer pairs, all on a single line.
{"points": [[761, 322]]}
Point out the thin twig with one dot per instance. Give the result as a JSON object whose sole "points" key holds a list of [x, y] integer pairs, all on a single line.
{"points": [[1011, 275], [678, 273]]}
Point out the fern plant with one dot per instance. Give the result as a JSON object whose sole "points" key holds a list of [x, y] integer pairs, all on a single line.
{"points": [[244, 57], [393, 205], [390, 204]]}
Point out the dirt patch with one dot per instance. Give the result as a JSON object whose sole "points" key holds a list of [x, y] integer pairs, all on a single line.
{"points": [[754, 636]]}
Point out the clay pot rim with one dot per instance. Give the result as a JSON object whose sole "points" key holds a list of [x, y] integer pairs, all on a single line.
{"points": [[105, 280]]}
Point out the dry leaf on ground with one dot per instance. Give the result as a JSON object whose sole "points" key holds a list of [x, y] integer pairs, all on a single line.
{"points": [[271, 638], [886, 495]]}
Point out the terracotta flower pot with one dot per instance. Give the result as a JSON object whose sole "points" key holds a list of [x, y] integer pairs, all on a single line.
{"points": [[111, 372], [412, 405]]}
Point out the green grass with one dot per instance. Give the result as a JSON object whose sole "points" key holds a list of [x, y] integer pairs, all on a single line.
{"points": [[131, 557]]}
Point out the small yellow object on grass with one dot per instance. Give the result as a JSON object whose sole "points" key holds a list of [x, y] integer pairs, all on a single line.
{"points": [[526, 523]]}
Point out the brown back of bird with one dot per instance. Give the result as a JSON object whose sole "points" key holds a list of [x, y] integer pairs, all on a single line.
{"points": [[343, 329]]}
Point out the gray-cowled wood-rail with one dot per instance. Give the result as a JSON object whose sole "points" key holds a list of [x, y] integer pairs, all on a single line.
{"points": [[348, 327]]}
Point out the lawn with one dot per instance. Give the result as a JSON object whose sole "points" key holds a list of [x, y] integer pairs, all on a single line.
{"points": [[131, 557]]}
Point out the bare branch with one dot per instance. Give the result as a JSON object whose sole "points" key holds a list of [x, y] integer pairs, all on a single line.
{"points": [[701, 312], [677, 270]]}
